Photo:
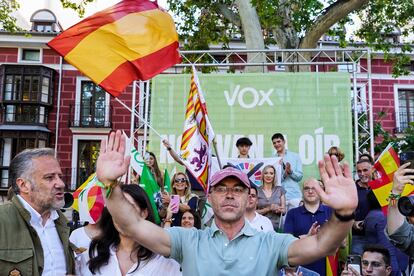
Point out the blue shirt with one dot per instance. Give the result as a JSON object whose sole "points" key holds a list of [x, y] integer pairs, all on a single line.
{"points": [[291, 181], [362, 208], [375, 223], [209, 252], [298, 222]]}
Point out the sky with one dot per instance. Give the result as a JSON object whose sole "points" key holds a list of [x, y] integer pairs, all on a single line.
{"points": [[66, 17]]}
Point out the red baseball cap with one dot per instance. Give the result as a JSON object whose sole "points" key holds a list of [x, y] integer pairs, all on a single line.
{"points": [[229, 172]]}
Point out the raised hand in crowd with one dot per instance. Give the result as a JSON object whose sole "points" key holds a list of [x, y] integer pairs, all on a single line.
{"points": [[402, 176], [341, 195], [112, 162], [340, 192]]}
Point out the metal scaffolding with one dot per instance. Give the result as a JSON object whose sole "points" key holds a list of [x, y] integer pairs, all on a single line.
{"points": [[355, 61]]}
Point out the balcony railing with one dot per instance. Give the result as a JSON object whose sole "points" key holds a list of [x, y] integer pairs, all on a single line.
{"points": [[98, 116]]}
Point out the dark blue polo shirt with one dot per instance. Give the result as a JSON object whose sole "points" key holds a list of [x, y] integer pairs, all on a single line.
{"points": [[298, 222]]}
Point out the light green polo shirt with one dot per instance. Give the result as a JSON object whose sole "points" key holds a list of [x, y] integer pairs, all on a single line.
{"points": [[209, 252]]}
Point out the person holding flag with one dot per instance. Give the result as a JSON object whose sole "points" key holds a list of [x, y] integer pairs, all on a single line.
{"points": [[399, 231]]}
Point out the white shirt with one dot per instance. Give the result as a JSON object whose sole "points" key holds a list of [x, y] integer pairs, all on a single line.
{"points": [[261, 223], [54, 255], [158, 266], [80, 238]]}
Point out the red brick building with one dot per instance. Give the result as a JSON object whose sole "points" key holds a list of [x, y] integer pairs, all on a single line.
{"points": [[44, 103]]}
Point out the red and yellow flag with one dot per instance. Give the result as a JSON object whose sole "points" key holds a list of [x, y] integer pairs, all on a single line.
{"points": [[386, 165], [198, 135], [88, 200], [332, 264], [132, 40]]}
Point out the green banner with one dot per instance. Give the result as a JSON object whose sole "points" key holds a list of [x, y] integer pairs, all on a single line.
{"points": [[312, 110]]}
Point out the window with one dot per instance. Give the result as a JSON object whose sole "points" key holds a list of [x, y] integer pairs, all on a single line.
{"points": [[30, 55], [32, 114], [28, 83], [87, 156], [405, 108], [12, 88], [43, 27], [92, 105]]}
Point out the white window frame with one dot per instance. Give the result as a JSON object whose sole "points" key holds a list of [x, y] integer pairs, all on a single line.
{"points": [[79, 81], [20, 55], [75, 144], [398, 87]]}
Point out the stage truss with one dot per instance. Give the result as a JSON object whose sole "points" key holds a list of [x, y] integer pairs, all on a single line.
{"points": [[355, 61]]}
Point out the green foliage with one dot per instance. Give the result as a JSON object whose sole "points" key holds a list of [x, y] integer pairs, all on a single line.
{"points": [[78, 7], [7, 22], [403, 142]]}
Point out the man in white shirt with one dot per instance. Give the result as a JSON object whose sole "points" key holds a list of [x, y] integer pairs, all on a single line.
{"points": [[35, 235], [256, 220]]}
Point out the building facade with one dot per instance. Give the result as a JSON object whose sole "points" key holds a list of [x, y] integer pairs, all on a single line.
{"points": [[45, 102]]}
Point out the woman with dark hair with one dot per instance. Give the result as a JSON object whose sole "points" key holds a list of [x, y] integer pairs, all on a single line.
{"points": [[190, 219], [111, 253], [374, 224], [155, 170]]}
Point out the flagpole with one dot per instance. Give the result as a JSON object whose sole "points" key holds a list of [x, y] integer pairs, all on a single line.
{"points": [[132, 126], [139, 117], [217, 155]]}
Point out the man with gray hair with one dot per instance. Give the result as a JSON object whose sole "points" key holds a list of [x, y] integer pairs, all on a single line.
{"points": [[34, 232]]}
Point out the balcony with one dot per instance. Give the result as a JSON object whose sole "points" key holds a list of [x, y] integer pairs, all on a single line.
{"points": [[97, 116]]}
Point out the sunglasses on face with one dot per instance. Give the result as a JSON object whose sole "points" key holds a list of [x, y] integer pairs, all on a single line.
{"points": [[180, 180]]}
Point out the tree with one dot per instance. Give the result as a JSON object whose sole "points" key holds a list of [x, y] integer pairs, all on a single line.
{"points": [[293, 24], [7, 7], [8, 22]]}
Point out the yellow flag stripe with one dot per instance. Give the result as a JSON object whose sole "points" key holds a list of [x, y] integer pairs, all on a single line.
{"points": [[388, 163], [122, 40]]}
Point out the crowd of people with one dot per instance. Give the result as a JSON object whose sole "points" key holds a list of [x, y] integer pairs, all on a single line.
{"points": [[286, 228]]}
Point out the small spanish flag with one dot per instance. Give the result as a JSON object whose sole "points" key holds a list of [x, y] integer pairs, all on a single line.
{"points": [[332, 264], [132, 40], [386, 165]]}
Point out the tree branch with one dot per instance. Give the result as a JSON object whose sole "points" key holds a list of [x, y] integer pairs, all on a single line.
{"points": [[228, 14], [334, 13]]}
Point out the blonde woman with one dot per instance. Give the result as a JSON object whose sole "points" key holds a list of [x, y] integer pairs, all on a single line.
{"points": [[271, 197], [188, 200]]}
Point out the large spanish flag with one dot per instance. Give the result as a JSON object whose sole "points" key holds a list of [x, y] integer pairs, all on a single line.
{"points": [[386, 165], [133, 40]]}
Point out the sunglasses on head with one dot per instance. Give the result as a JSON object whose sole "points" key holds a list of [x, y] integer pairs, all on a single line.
{"points": [[180, 180]]}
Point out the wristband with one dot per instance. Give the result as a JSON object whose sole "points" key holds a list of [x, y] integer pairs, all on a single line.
{"points": [[344, 218], [107, 187], [393, 198]]}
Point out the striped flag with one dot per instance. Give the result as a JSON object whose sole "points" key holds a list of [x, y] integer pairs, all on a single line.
{"points": [[332, 264], [132, 40], [198, 135], [386, 164], [88, 200]]}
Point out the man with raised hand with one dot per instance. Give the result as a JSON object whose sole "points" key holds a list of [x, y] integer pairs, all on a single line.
{"points": [[230, 246]]}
